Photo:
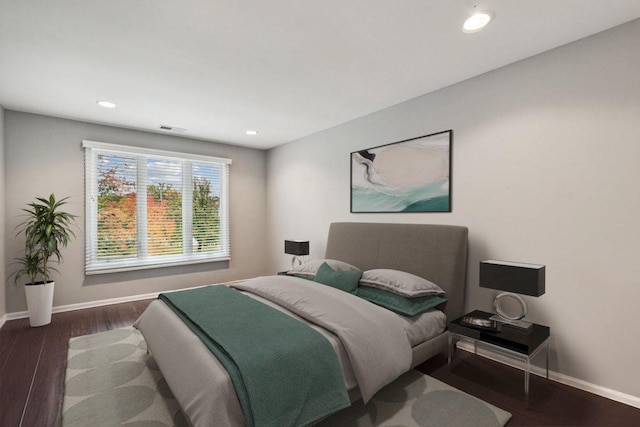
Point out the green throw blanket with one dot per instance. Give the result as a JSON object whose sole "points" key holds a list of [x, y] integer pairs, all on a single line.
{"points": [[285, 373]]}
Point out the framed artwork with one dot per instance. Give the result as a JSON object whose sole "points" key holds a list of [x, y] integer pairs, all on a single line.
{"points": [[413, 175]]}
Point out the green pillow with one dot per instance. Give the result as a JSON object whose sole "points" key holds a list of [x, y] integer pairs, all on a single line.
{"points": [[400, 304], [344, 280]]}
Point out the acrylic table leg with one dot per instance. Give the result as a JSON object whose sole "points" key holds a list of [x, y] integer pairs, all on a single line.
{"points": [[526, 384], [450, 348], [547, 360]]}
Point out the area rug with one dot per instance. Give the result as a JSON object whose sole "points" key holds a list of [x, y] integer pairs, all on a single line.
{"points": [[111, 380], [418, 400]]}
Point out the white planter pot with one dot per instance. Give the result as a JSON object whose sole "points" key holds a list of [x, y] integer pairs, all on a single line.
{"points": [[39, 303]]}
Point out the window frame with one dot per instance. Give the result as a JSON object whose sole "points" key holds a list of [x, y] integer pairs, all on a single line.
{"points": [[143, 261]]}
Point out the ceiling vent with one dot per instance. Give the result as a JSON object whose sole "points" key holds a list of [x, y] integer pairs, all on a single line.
{"points": [[173, 129]]}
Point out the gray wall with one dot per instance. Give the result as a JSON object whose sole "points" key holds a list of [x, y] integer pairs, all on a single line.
{"points": [[545, 170], [44, 155], [3, 278]]}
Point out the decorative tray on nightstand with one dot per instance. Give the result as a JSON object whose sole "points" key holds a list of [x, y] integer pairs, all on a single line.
{"points": [[522, 341]]}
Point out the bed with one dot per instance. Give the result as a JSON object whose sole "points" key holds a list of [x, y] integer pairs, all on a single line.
{"points": [[438, 253]]}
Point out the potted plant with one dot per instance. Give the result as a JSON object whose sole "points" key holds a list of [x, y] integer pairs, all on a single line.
{"points": [[47, 231]]}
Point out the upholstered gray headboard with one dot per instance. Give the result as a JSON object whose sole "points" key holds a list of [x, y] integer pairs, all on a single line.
{"points": [[435, 252]]}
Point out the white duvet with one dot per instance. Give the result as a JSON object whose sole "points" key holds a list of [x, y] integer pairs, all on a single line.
{"points": [[371, 343]]}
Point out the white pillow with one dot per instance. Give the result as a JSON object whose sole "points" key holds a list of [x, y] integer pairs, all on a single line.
{"points": [[309, 269], [400, 283]]}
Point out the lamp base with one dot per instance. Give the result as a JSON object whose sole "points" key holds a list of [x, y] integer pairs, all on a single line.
{"points": [[296, 261], [520, 324], [502, 317]]}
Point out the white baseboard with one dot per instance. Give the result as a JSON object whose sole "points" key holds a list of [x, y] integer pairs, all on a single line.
{"points": [[83, 305], [99, 303], [627, 399], [2, 320]]}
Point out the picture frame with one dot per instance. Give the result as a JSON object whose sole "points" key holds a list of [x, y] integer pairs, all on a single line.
{"points": [[413, 175]]}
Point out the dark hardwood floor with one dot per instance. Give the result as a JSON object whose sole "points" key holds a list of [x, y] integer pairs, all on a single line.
{"points": [[33, 361], [551, 403], [32, 367]]}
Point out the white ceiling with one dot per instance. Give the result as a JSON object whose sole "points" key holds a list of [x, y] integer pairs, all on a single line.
{"points": [[287, 68]]}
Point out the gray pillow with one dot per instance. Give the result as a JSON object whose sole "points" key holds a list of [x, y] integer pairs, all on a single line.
{"points": [[400, 283], [309, 269]]}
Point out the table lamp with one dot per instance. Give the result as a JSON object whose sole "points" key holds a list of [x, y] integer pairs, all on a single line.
{"points": [[296, 248], [514, 278]]}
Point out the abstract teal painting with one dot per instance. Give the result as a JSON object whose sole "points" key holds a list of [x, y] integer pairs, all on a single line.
{"points": [[413, 175]]}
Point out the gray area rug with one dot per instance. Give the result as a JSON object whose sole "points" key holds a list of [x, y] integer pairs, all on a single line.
{"points": [[112, 381], [418, 400]]}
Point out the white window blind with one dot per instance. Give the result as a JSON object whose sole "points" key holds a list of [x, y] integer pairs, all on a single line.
{"points": [[150, 208]]}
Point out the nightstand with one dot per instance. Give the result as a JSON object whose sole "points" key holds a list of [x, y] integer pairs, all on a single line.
{"points": [[514, 342]]}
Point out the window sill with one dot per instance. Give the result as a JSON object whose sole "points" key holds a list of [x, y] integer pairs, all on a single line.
{"points": [[106, 269]]}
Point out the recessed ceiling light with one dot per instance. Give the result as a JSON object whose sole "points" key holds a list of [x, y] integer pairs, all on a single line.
{"points": [[251, 132], [106, 104], [478, 21]]}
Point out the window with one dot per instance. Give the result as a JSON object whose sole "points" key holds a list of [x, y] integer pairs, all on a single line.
{"points": [[151, 208]]}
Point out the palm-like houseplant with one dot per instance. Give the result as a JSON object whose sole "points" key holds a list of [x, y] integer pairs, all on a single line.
{"points": [[47, 230], [30, 266]]}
